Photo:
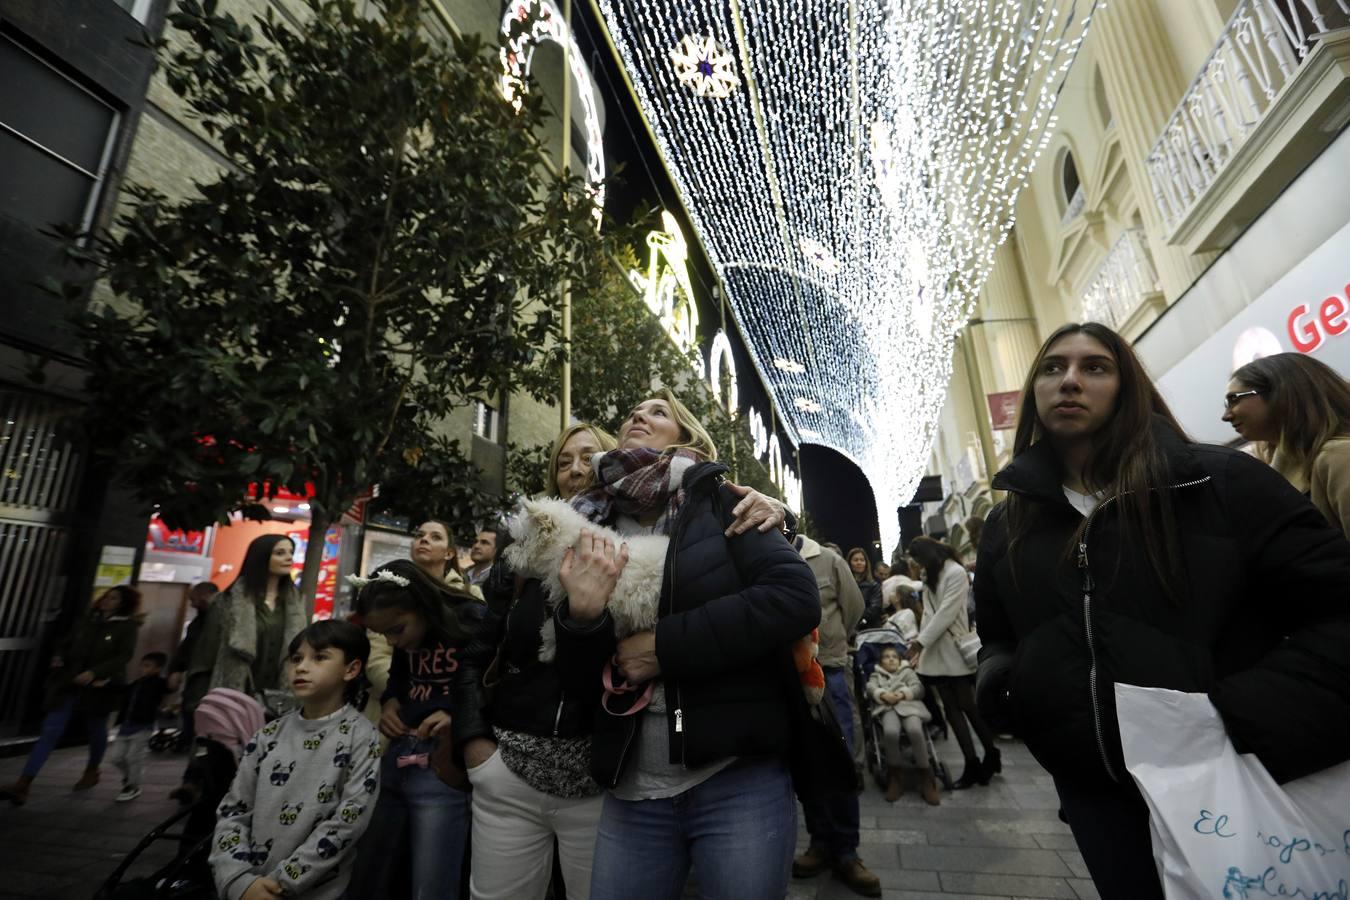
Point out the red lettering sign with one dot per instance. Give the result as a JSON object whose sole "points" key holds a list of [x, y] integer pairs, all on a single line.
{"points": [[1333, 308], [1305, 336]]}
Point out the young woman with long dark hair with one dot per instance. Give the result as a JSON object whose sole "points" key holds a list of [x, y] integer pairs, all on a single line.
{"points": [[1297, 410], [1127, 553], [248, 628], [937, 656]]}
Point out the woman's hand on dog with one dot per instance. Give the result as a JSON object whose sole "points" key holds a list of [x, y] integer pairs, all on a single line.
{"points": [[590, 570], [637, 657]]}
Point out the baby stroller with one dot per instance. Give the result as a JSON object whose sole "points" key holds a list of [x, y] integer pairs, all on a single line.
{"points": [[187, 876], [868, 646], [224, 720]]}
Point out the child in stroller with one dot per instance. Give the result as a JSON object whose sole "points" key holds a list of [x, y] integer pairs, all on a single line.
{"points": [[870, 645], [224, 722]]}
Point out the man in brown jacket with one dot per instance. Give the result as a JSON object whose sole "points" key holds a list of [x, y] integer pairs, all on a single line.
{"points": [[832, 816]]}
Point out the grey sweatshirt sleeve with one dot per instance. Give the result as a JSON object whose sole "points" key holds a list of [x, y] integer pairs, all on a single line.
{"points": [[333, 839], [232, 843]]}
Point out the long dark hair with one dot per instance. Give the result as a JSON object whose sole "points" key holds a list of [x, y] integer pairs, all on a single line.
{"points": [[932, 555], [1309, 401], [432, 599], [1126, 460], [351, 641], [256, 570]]}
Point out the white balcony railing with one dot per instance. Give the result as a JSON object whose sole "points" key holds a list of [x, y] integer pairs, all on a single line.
{"points": [[1262, 46], [1125, 280]]}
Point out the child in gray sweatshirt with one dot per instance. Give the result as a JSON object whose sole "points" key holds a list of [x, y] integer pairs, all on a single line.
{"points": [[307, 781]]}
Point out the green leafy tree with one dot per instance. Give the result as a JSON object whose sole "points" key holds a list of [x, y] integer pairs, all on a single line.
{"points": [[385, 243]]}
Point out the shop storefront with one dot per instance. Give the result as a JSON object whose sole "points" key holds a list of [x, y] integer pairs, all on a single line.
{"points": [[175, 559]]}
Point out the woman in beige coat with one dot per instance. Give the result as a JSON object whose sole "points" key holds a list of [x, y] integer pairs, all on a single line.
{"points": [[1297, 411], [937, 654], [896, 691]]}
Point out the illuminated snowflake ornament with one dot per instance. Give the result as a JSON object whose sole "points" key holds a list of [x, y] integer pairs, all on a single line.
{"points": [[705, 67], [818, 255], [850, 187]]}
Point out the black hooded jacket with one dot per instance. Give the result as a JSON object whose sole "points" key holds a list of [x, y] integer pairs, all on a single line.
{"points": [[730, 612], [1259, 618]]}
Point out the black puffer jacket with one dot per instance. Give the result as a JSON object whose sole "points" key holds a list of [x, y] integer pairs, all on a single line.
{"points": [[529, 695], [1261, 621], [730, 612]]}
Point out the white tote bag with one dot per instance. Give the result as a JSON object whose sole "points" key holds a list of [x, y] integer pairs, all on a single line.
{"points": [[1221, 826]]}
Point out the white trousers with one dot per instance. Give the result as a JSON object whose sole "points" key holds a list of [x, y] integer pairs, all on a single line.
{"points": [[127, 753], [513, 830]]}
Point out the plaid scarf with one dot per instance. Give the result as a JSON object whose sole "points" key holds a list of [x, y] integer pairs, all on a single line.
{"points": [[637, 482]]}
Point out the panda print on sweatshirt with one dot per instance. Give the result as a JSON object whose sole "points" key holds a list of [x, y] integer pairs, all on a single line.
{"points": [[301, 798]]}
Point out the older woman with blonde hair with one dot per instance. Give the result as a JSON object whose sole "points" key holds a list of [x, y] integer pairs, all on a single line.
{"points": [[692, 719]]}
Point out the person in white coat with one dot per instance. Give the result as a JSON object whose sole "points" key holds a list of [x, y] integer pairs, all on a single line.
{"points": [[936, 654]]}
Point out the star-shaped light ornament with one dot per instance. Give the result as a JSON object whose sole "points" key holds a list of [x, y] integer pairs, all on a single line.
{"points": [[705, 66]]}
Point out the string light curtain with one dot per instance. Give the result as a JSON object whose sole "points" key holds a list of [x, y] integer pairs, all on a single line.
{"points": [[850, 167]]}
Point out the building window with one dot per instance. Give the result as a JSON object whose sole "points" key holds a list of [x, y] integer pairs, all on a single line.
{"points": [[486, 421], [1070, 174], [1071, 200], [55, 140]]}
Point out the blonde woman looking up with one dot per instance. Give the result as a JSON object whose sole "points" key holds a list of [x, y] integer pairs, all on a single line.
{"points": [[536, 788], [690, 741]]}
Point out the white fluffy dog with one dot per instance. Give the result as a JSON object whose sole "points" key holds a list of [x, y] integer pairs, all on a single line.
{"points": [[541, 534]]}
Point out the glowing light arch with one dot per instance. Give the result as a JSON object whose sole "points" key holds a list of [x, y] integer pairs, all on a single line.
{"points": [[719, 354], [526, 24]]}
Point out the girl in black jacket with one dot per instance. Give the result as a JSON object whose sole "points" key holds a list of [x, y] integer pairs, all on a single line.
{"points": [[429, 699], [693, 756], [1126, 553]]}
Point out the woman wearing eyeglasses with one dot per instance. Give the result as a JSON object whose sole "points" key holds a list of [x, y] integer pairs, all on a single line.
{"points": [[1296, 409]]}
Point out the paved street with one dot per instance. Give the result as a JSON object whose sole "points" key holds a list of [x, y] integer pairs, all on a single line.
{"points": [[1001, 841], [62, 845], [1004, 840]]}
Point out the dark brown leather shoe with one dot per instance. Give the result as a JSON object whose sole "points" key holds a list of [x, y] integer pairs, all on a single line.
{"points": [[87, 780], [811, 863], [858, 877]]}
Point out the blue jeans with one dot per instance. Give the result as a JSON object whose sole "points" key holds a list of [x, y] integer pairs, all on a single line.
{"points": [[418, 821], [738, 829], [832, 816], [54, 727]]}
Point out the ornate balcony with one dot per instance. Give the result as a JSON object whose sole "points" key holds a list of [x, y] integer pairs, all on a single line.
{"points": [[1273, 93], [1125, 288]]}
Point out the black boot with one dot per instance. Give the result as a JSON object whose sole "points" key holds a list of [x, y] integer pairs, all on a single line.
{"points": [[971, 775], [993, 762]]}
